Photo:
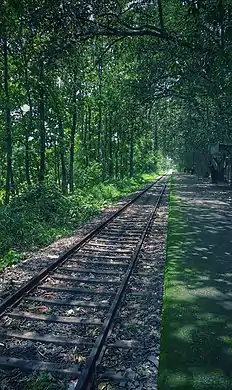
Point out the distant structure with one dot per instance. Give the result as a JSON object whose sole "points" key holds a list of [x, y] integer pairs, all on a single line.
{"points": [[196, 162], [220, 162]]}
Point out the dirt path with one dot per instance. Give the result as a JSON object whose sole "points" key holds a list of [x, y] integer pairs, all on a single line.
{"points": [[196, 349]]}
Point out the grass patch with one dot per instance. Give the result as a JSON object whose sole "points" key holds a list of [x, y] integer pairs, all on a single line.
{"points": [[42, 214], [195, 355], [43, 381]]}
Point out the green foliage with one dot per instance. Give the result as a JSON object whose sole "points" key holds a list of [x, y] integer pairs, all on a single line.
{"points": [[87, 177], [33, 219], [43, 213], [42, 381], [10, 258], [89, 114], [123, 100]]}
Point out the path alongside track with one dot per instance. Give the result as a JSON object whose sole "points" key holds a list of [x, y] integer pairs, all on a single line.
{"points": [[196, 348]]}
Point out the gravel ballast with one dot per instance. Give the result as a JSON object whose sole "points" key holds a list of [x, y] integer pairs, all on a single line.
{"points": [[140, 317]]}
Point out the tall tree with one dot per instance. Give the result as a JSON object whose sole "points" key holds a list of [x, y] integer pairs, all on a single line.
{"points": [[41, 110], [8, 128]]}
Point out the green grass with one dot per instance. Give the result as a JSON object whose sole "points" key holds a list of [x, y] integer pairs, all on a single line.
{"points": [[196, 351], [43, 381], [40, 215]]}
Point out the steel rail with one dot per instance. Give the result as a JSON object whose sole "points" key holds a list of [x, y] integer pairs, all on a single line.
{"points": [[86, 378], [16, 297]]}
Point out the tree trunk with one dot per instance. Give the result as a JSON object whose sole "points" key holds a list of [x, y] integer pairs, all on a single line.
{"points": [[104, 151], [27, 158], [72, 137], [221, 11], [110, 148], [90, 138], [8, 129], [28, 129], [86, 151], [121, 152], [26, 144], [62, 156], [116, 156], [42, 121], [131, 171], [56, 163], [161, 14], [155, 137], [99, 154]]}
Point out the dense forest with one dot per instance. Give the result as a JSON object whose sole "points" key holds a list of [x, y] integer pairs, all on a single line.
{"points": [[100, 91]]}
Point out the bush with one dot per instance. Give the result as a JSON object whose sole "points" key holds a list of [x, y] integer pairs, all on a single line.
{"points": [[43, 213], [28, 220]]}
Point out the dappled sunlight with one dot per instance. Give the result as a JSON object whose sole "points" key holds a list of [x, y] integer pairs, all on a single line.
{"points": [[198, 300]]}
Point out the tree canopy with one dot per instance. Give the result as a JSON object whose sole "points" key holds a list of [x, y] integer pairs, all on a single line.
{"points": [[103, 88]]}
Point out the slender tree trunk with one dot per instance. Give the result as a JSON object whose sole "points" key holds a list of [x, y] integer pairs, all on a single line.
{"points": [[155, 137], [62, 157], [57, 165], [121, 151], [82, 135], [72, 137], [56, 161], [221, 11], [42, 121], [28, 129], [90, 146], [161, 14], [26, 144], [131, 165], [58, 172], [111, 170], [8, 129], [86, 151], [104, 151], [116, 157], [27, 158], [99, 155]]}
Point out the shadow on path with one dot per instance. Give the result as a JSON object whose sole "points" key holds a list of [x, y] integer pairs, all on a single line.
{"points": [[196, 348]]}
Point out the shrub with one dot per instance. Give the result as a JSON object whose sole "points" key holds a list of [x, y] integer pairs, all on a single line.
{"points": [[42, 213]]}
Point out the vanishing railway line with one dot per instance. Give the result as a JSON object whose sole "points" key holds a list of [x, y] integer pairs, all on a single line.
{"points": [[60, 320]]}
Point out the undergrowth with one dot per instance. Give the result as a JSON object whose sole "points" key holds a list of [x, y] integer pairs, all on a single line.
{"points": [[41, 214], [43, 381]]}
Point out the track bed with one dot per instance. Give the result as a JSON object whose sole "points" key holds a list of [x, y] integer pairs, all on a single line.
{"points": [[63, 320]]}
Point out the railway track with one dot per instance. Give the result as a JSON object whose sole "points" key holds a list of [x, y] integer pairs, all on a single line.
{"points": [[61, 319]]}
